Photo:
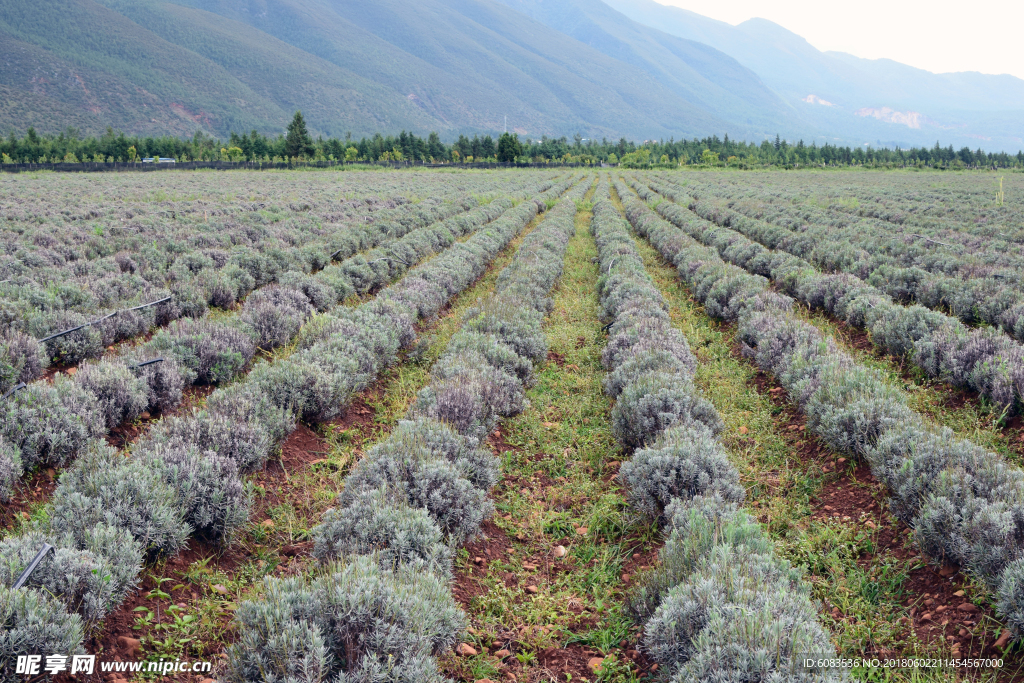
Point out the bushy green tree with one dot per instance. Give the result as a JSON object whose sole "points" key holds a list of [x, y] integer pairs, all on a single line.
{"points": [[298, 143], [640, 158], [509, 147]]}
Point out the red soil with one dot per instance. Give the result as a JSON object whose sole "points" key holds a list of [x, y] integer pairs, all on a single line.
{"points": [[303, 449], [852, 495], [537, 558]]}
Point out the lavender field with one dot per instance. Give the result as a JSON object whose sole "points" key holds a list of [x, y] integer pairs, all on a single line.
{"points": [[527, 425]]}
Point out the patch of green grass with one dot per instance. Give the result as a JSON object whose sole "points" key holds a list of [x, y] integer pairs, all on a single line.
{"points": [[285, 512], [973, 419], [607, 636], [483, 667], [557, 490], [413, 374], [842, 564]]}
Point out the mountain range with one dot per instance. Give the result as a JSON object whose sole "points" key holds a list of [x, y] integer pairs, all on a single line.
{"points": [[879, 101], [631, 68]]}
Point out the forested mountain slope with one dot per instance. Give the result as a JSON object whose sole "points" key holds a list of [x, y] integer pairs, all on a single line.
{"points": [[597, 68], [460, 66]]}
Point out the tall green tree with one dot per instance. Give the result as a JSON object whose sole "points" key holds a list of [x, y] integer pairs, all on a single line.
{"points": [[509, 147], [435, 148], [298, 143]]}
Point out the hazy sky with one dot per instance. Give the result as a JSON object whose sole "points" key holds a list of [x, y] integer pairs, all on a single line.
{"points": [[937, 35]]}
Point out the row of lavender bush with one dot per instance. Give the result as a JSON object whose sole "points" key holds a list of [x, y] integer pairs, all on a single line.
{"points": [[966, 243], [379, 608], [88, 263], [977, 290], [44, 301], [721, 605], [964, 503], [47, 424], [983, 359], [950, 211], [71, 220], [111, 512]]}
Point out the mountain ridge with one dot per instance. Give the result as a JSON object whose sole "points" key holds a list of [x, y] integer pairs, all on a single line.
{"points": [[959, 107], [352, 67], [617, 68]]}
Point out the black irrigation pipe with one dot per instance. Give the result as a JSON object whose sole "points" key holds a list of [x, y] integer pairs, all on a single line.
{"points": [[99, 320], [18, 387], [145, 363], [928, 239], [61, 334], [151, 303], [388, 258], [23, 578]]}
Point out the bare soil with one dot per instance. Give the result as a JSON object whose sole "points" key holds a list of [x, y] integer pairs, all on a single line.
{"points": [[852, 495]]}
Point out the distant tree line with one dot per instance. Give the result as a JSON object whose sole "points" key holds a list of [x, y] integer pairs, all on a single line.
{"points": [[298, 145]]}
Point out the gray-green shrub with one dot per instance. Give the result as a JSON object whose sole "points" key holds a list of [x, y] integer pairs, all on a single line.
{"points": [[373, 522], [655, 402], [91, 581], [355, 620], [722, 604], [22, 359], [274, 315], [414, 473], [208, 352], [71, 348], [34, 623], [121, 395], [243, 402], [208, 490], [11, 469], [246, 443], [684, 462], [105, 488], [50, 423]]}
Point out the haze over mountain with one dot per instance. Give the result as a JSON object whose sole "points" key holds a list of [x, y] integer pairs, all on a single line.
{"points": [[880, 101], [553, 67]]}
